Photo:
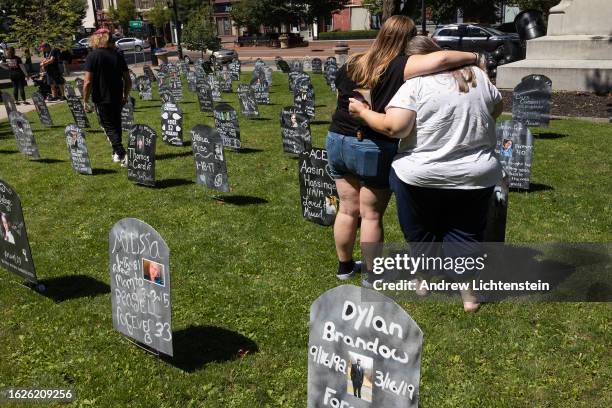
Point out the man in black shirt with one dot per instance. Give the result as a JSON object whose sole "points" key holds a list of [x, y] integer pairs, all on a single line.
{"points": [[51, 66], [108, 82]]}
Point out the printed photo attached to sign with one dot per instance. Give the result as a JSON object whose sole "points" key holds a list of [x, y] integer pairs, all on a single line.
{"points": [[515, 151], [77, 148], [531, 101], [209, 158], [318, 194], [141, 155], [42, 109], [23, 135], [364, 350], [15, 253], [139, 267]]}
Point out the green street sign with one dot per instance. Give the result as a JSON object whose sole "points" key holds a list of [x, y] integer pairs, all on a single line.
{"points": [[135, 24]]}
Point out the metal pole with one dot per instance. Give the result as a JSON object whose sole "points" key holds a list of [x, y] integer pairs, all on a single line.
{"points": [[423, 19], [95, 13], [178, 31]]}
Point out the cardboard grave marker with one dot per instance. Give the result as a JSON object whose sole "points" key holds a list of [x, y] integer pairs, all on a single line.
{"points": [[317, 66], [225, 82], [293, 75], [226, 123], [304, 98], [364, 350], [172, 124], [282, 65], [295, 130], [261, 91], [184, 68], [77, 148], [139, 267], [191, 81], [176, 88], [248, 104], [307, 64], [515, 150], [23, 135], [69, 90], [141, 155], [235, 68], [79, 85], [161, 79], [42, 109], [259, 63], [205, 99], [297, 66], [330, 61], [9, 103], [318, 193], [531, 101], [259, 73], [15, 253], [209, 159], [143, 85], [132, 77], [165, 95], [127, 115], [215, 87], [78, 112], [330, 76], [149, 73], [163, 68]]}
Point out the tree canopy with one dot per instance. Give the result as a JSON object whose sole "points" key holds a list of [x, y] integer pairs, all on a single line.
{"points": [[124, 13], [199, 32]]}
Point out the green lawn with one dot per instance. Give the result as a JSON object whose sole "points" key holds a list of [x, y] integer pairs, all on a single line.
{"points": [[245, 272]]}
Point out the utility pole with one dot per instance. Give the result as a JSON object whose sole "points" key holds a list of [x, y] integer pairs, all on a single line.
{"points": [[176, 27]]}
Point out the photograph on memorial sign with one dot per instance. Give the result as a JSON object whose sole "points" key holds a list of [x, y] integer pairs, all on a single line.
{"points": [[165, 96], [69, 90], [172, 124], [364, 350], [293, 75], [141, 155], [139, 262], [515, 151], [226, 123], [23, 135], [318, 192], [15, 253], [211, 170], [531, 101], [248, 104], [77, 148], [42, 109], [295, 130], [78, 112]]}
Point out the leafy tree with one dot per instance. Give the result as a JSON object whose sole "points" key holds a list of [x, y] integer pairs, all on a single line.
{"points": [[249, 14], [375, 7], [186, 8], [443, 10], [199, 32], [124, 13], [158, 16], [394, 7]]}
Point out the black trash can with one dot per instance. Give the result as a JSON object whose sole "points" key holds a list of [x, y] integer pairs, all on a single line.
{"points": [[530, 24]]}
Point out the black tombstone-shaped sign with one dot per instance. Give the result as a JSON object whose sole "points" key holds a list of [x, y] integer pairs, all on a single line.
{"points": [[9, 103], [79, 84], [69, 90], [149, 73], [317, 66], [259, 63], [139, 267], [515, 149], [172, 124], [261, 90], [364, 350], [78, 112], [295, 130], [141, 155], [15, 253], [127, 115], [297, 66], [42, 109], [225, 81], [317, 187], [226, 122], [205, 98], [293, 75], [248, 104], [176, 88], [307, 64], [132, 77], [330, 76], [207, 146], [23, 135], [161, 79], [143, 85], [304, 98], [330, 61], [77, 148], [234, 69], [215, 87], [531, 101], [192, 81], [165, 95], [268, 73]]}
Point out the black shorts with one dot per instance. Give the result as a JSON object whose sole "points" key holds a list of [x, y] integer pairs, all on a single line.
{"points": [[55, 78]]}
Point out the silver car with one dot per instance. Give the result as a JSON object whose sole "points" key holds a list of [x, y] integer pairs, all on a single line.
{"points": [[131, 44]]}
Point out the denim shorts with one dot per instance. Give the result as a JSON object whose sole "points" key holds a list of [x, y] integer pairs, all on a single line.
{"points": [[369, 160]]}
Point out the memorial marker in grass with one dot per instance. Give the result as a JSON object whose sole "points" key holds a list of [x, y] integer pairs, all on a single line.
{"points": [[226, 123], [261, 91], [41, 108], [235, 68], [211, 170], [317, 66], [295, 130], [141, 155], [205, 99], [9, 103], [127, 115], [77, 148], [23, 135], [143, 85], [515, 151], [531, 101], [318, 193], [172, 124], [176, 88], [248, 104]]}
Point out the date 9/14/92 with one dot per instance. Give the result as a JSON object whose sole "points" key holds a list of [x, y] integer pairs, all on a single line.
{"points": [[36, 394]]}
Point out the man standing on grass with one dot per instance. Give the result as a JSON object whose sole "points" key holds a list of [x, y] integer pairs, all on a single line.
{"points": [[107, 80], [51, 66]]}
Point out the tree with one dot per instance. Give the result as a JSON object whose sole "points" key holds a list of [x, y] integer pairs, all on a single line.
{"points": [[542, 5], [393, 7], [443, 10], [199, 32], [124, 13], [56, 21], [158, 16]]}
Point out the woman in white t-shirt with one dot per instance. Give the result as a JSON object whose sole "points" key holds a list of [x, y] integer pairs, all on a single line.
{"points": [[446, 167]]}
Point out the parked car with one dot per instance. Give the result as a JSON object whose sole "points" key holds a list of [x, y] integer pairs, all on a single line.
{"points": [[79, 51], [83, 42], [131, 44], [476, 38], [223, 55]]}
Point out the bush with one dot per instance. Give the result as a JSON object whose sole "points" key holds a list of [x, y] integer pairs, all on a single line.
{"points": [[348, 35]]}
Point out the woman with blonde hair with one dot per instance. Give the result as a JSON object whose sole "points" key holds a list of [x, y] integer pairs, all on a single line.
{"points": [[446, 167], [359, 156]]}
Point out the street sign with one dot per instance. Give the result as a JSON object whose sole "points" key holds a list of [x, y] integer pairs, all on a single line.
{"points": [[135, 24]]}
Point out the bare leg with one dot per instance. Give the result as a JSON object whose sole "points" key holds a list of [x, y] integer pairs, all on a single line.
{"points": [[345, 226], [373, 203]]}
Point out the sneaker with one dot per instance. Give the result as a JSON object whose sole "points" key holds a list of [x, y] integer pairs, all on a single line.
{"points": [[357, 267], [365, 282], [116, 158], [124, 162], [345, 276]]}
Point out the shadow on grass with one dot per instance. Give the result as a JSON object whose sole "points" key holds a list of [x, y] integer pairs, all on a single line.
{"points": [[320, 122], [260, 119], [73, 287], [247, 150], [167, 183], [99, 172], [48, 161], [533, 187], [548, 135], [241, 200], [165, 156], [196, 346], [9, 151]]}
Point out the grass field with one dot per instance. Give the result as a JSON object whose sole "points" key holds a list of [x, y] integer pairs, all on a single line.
{"points": [[245, 272]]}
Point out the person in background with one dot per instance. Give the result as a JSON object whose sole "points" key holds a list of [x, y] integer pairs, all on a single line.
{"points": [[27, 56], [16, 74], [107, 81], [446, 167], [51, 66], [360, 157]]}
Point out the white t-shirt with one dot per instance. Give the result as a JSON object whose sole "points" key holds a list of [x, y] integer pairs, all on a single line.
{"points": [[453, 143]]}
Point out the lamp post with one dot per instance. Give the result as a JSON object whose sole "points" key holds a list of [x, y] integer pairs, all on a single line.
{"points": [[423, 19], [172, 4]]}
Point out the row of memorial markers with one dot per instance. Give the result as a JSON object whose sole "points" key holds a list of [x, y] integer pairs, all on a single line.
{"points": [[364, 349]]}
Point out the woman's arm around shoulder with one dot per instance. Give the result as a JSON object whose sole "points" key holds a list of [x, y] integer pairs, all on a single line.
{"points": [[418, 65]]}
